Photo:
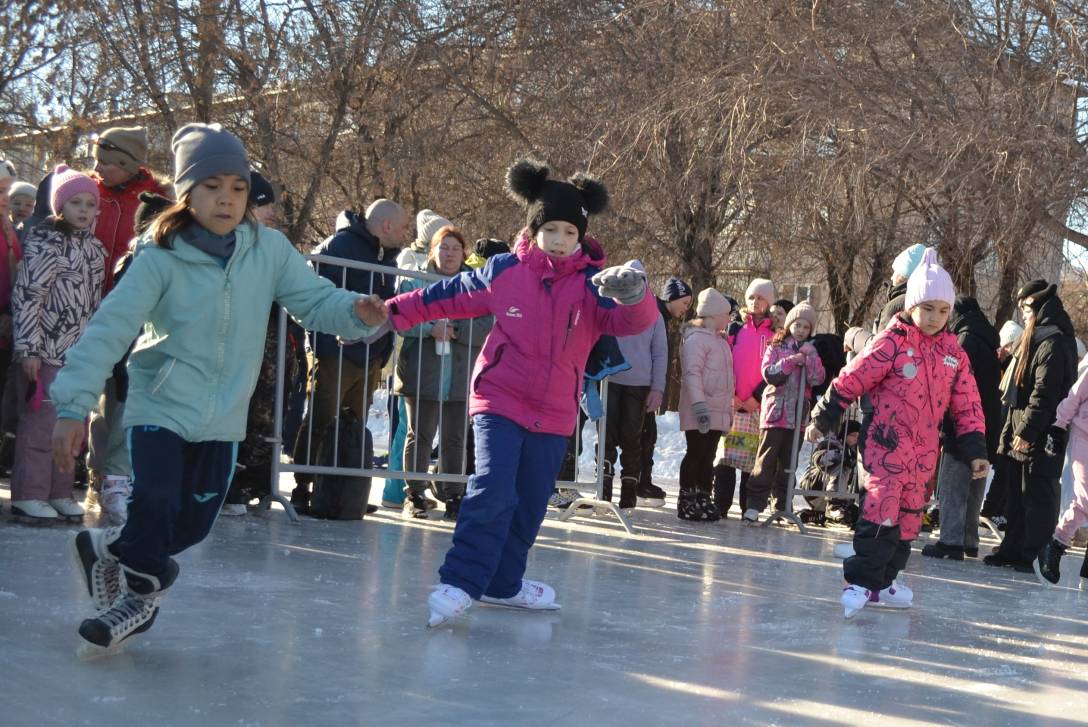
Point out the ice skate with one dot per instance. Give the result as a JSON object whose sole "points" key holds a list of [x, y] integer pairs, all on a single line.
{"points": [[98, 567], [131, 614], [233, 509], [1046, 564], [68, 509], [114, 498], [562, 497], [533, 596], [446, 602], [940, 550], [750, 516], [894, 596], [33, 512], [854, 599]]}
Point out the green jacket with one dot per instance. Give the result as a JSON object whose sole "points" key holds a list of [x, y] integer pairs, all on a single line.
{"points": [[196, 363]]}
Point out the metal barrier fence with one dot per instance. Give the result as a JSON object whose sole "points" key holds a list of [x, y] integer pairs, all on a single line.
{"points": [[305, 450]]}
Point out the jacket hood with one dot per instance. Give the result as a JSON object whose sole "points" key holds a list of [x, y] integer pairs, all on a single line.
{"points": [[144, 181], [895, 291], [690, 329], [589, 253], [1052, 313], [967, 317]]}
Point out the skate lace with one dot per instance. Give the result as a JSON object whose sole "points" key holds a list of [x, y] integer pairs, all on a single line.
{"points": [[107, 580], [126, 614]]}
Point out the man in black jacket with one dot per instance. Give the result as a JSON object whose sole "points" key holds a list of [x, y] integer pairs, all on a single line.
{"points": [[350, 380], [961, 497]]}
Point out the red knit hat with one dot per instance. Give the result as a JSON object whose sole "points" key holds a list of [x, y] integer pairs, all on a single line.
{"points": [[67, 183]]}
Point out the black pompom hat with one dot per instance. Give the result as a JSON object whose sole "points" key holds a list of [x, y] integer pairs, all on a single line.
{"points": [[547, 199]]}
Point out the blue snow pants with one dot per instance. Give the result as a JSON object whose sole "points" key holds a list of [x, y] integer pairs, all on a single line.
{"points": [[178, 488], [504, 505]]}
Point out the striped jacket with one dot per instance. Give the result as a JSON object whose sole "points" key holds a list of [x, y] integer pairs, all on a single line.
{"points": [[57, 288]]}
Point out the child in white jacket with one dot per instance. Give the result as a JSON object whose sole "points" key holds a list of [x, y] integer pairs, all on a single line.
{"points": [[1071, 423]]}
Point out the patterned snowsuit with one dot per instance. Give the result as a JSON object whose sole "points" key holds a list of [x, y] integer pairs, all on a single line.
{"points": [[912, 379]]}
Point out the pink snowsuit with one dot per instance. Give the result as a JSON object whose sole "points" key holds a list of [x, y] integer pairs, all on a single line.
{"points": [[911, 379], [1073, 416]]}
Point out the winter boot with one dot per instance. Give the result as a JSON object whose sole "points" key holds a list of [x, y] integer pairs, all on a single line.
{"points": [[98, 566], [300, 498], [696, 505], [628, 496], [7, 453], [446, 602], [854, 599], [132, 613], [750, 516], [415, 505], [453, 507], [649, 495], [1047, 562], [116, 490], [722, 489], [533, 596], [940, 550], [33, 512]]}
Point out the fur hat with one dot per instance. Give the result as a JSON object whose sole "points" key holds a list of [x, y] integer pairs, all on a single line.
{"points": [[489, 247], [711, 303], [67, 183], [427, 224], [675, 289], [906, 261], [856, 339], [762, 287], [1035, 293], [804, 312], [1010, 333], [929, 281], [261, 191], [25, 189], [547, 199], [205, 150], [125, 147]]}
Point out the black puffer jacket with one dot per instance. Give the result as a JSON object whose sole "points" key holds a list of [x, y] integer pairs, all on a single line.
{"points": [[1051, 371], [980, 340]]}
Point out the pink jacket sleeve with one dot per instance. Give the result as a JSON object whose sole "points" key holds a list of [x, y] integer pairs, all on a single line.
{"points": [[777, 364], [1067, 410], [614, 319], [814, 370], [867, 370], [464, 296]]}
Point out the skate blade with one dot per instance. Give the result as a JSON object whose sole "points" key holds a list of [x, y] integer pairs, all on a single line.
{"points": [[87, 651], [546, 607], [436, 620], [1039, 574]]}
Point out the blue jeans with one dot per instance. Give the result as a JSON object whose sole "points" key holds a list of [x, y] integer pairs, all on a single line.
{"points": [[503, 508]]}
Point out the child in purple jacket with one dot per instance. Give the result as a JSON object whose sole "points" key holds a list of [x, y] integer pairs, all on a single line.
{"points": [[551, 302], [791, 367]]}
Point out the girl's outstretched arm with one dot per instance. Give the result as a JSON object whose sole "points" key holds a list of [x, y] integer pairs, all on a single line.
{"points": [[859, 377], [467, 295]]}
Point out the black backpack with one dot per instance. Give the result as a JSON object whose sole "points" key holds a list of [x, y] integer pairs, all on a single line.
{"points": [[338, 497]]}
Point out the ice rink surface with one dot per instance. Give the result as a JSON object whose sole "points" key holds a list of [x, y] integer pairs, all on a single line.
{"points": [[682, 624]]}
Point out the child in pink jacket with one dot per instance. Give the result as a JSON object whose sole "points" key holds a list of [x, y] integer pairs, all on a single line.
{"points": [[789, 359], [913, 371], [1071, 424], [551, 303], [706, 402]]}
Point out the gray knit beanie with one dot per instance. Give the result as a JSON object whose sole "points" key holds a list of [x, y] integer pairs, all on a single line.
{"points": [[205, 150]]}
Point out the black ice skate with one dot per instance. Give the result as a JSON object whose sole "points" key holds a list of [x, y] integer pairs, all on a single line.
{"points": [[1047, 562], [98, 566], [132, 613]]}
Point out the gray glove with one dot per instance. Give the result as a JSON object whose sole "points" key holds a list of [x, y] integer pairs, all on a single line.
{"points": [[626, 283], [702, 416]]}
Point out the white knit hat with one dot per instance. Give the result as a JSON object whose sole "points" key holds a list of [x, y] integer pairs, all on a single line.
{"points": [[711, 303], [1010, 333], [428, 223], [761, 287]]}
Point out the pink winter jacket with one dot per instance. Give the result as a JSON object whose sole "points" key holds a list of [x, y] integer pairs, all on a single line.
{"points": [[912, 379], [783, 377], [547, 315], [706, 375], [749, 342], [1072, 410]]}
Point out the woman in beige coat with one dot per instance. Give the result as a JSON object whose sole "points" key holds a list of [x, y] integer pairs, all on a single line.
{"points": [[706, 402]]}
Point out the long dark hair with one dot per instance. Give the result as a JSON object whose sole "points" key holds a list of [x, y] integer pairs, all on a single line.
{"points": [[1024, 349]]}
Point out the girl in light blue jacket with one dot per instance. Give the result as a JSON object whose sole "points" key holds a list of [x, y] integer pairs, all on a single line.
{"points": [[200, 285]]}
